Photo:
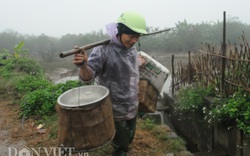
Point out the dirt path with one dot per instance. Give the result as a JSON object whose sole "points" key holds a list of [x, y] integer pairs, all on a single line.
{"points": [[9, 124], [4, 133], [16, 133]]}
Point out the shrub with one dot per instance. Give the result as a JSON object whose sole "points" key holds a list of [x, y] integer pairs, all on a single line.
{"points": [[29, 83], [20, 62], [191, 98], [38, 95], [232, 111], [42, 101]]}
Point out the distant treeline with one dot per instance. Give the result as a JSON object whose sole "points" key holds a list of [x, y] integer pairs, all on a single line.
{"points": [[182, 38]]}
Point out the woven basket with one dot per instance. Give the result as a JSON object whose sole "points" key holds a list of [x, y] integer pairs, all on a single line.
{"points": [[148, 97]]}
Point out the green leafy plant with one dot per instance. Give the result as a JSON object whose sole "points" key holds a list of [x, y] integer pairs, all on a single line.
{"points": [[176, 145], [148, 124], [232, 111], [42, 101], [29, 83], [191, 98], [36, 94], [20, 62]]}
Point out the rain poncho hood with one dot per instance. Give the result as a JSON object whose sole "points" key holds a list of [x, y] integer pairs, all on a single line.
{"points": [[116, 68]]}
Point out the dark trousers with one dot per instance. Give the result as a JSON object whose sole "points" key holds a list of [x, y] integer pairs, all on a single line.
{"points": [[125, 131]]}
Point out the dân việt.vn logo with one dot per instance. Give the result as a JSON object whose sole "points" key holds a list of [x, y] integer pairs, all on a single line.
{"points": [[44, 151]]}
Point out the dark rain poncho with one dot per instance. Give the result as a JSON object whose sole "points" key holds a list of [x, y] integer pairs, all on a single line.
{"points": [[116, 68]]}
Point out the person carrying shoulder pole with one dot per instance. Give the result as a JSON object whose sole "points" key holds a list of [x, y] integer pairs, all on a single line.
{"points": [[116, 66]]}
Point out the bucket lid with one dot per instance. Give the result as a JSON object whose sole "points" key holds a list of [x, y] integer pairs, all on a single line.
{"points": [[83, 96]]}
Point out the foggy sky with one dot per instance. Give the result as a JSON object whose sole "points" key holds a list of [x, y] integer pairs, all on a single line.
{"points": [[60, 17]]}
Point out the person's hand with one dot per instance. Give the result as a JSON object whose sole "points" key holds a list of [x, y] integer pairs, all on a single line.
{"points": [[142, 60], [80, 59]]}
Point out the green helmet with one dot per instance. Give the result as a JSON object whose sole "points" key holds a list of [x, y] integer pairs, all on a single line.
{"points": [[133, 21]]}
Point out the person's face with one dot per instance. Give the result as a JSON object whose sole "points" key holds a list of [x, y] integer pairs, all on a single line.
{"points": [[129, 40]]}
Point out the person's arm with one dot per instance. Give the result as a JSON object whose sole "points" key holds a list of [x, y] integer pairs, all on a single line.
{"points": [[81, 60], [85, 73]]}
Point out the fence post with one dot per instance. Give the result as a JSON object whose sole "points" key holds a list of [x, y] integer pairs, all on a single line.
{"points": [[224, 54], [189, 68], [172, 74]]}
